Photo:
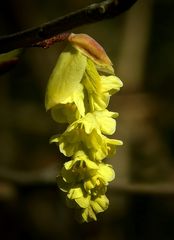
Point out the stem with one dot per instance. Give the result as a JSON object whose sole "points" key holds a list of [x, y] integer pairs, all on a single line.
{"points": [[92, 13]]}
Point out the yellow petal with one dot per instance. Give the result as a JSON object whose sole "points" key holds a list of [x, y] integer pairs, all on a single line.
{"points": [[65, 77], [83, 202], [89, 123], [64, 113], [88, 215], [100, 204], [72, 109], [88, 185], [93, 83], [111, 84], [105, 121], [75, 193], [107, 172]]}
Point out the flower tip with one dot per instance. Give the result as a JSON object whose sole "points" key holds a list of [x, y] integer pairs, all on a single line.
{"points": [[120, 142]]}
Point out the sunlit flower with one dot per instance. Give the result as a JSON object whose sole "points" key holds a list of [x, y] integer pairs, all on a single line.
{"points": [[76, 86], [85, 183], [86, 134], [78, 93], [97, 205], [99, 87]]}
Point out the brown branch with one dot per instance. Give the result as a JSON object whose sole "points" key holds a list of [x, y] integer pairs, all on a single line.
{"points": [[47, 177], [165, 188], [93, 13]]}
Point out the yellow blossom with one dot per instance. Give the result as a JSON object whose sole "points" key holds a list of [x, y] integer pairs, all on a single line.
{"points": [[85, 183], [78, 93], [86, 134], [73, 76]]}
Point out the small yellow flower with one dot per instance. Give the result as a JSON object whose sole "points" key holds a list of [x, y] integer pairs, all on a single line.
{"points": [[85, 183], [86, 134], [99, 87], [97, 205]]}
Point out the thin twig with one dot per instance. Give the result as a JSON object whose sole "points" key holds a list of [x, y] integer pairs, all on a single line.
{"points": [[165, 188], [93, 13], [47, 177]]}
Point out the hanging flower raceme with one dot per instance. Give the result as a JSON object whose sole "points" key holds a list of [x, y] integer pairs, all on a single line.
{"points": [[78, 93]]}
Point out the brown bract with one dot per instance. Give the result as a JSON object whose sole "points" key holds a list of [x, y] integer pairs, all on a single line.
{"points": [[90, 47]]}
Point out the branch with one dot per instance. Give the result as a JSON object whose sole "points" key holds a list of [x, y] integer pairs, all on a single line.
{"points": [[44, 177], [151, 189], [47, 178], [93, 13]]}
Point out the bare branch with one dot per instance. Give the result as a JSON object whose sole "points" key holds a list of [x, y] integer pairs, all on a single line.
{"points": [[93, 13], [47, 177], [165, 188]]}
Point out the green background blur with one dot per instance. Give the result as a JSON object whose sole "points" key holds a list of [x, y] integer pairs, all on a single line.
{"points": [[140, 44]]}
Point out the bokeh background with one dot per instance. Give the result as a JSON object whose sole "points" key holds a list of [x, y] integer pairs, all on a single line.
{"points": [[140, 44]]}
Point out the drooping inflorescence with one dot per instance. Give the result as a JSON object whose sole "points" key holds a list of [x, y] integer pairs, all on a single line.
{"points": [[78, 93]]}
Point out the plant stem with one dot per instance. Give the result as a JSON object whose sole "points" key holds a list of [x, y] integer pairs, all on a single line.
{"points": [[91, 14]]}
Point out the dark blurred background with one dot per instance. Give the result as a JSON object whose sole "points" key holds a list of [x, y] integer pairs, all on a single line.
{"points": [[140, 44]]}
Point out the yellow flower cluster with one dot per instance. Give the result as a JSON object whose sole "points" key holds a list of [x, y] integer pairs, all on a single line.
{"points": [[78, 94]]}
